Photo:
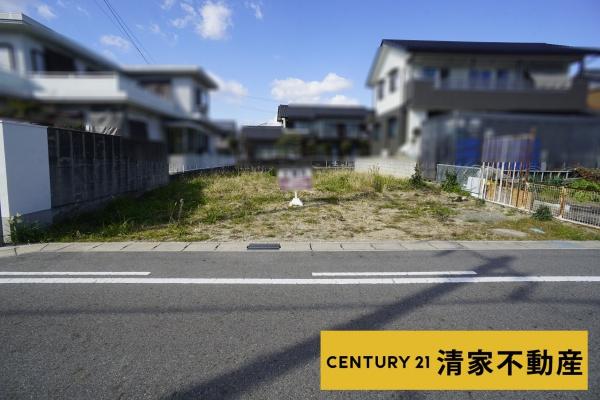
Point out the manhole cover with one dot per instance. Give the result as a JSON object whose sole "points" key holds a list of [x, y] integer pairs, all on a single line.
{"points": [[264, 246]]}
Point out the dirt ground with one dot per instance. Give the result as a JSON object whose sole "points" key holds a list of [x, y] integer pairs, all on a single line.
{"points": [[343, 205], [391, 216]]}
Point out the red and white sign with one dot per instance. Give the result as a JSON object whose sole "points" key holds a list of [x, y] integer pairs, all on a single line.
{"points": [[295, 178]]}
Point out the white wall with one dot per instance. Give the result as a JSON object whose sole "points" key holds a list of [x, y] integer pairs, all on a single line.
{"points": [[414, 120], [397, 166], [24, 170], [390, 59], [183, 93]]}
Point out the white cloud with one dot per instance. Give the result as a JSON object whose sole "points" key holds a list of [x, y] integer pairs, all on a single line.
{"points": [[25, 6], [115, 41], [230, 89], [256, 7], [211, 20], [342, 100], [15, 5], [169, 37], [215, 20], [154, 28], [190, 15], [167, 4], [82, 10], [188, 8], [295, 90], [45, 11]]}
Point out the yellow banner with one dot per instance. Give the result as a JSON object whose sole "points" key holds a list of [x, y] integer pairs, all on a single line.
{"points": [[454, 360]]}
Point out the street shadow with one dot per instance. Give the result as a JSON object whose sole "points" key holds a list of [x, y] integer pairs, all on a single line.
{"points": [[267, 367]]}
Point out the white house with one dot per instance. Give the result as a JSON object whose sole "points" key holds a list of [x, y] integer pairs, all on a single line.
{"points": [[415, 80], [49, 79]]}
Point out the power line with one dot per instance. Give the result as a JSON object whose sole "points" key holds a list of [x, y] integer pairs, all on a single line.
{"points": [[131, 34], [126, 30], [122, 26]]}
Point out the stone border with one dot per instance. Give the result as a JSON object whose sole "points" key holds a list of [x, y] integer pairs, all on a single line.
{"points": [[317, 246]]}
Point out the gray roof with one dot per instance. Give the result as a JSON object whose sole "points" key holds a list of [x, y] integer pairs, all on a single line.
{"points": [[321, 111], [262, 132], [443, 46]]}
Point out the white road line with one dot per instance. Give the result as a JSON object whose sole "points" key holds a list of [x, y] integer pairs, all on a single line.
{"points": [[307, 281], [67, 273], [407, 273]]}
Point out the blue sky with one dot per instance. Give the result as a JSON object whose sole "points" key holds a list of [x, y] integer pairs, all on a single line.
{"points": [[266, 52]]}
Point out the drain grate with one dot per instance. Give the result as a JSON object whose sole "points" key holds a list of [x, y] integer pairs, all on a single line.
{"points": [[264, 246]]}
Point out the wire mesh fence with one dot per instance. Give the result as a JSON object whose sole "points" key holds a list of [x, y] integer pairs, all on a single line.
{"points": [[511, 184], [575, 205], [462, 173]]}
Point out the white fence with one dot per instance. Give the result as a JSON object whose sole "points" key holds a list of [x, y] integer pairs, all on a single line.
{"points": [[509, 184], [180, 163]]}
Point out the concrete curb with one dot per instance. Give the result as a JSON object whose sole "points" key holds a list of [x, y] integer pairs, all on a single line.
{"points": [[316, 246]]}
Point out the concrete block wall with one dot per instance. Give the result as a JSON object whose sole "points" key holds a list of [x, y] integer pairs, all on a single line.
{"points": [[87, 166], [49, 173], [401, 167]]}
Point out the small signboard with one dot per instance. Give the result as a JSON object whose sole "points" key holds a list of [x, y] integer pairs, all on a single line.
{"points": [[298, 178], [295, 178]]}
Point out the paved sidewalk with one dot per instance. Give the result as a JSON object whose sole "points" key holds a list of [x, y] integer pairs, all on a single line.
{"points": [[316, 246]]}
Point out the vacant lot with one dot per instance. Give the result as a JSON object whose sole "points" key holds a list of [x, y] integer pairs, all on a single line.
{"points": [[343, 205]]}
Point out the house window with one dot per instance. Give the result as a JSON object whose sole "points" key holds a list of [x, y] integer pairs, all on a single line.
{"points": [[7, 57], [200, 97], [376, 131], [480, 78], [502, 76], [393, 77], [380, 87], [37, 61], [429, 73], [392, 127]]}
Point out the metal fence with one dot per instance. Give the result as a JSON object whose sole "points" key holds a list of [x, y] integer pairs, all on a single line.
{"points": [[462, 173], [580, 206], [509, 184]]}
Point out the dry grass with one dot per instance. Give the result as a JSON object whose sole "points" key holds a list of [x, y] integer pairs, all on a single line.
{"points": [[343, 205]]}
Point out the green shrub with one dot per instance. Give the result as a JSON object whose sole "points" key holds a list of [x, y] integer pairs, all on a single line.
{"points": [[22, 232], [451, 183], [542, 213], [416, 180], [377, 181], [584, 184]]}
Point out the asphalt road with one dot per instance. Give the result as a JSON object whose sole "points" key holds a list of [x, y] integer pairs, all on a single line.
{"points": [[261, 341]]}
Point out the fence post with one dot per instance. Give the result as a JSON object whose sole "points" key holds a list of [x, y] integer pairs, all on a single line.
{"points": [[562, 199]]}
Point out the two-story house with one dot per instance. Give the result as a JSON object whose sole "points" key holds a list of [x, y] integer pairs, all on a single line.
{"points": [[416, 80], [49, 79], [329, 132]]}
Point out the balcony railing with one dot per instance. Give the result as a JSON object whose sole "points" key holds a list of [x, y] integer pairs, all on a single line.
{"points": [[505, 85], [467, 94]]}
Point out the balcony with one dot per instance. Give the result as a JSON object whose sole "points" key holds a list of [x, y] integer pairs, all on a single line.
{"points": [[99, 88], [447, 95]]}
